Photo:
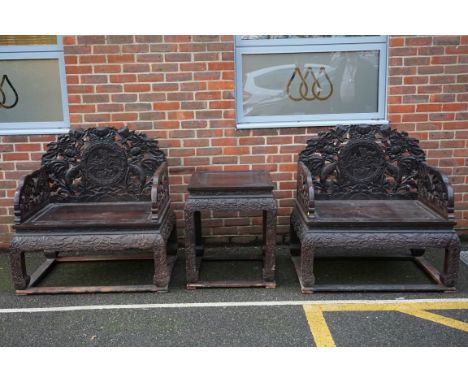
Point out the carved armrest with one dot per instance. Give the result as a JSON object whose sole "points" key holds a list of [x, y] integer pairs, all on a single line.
{"points": [[32, 194], [305, 189], [435, 190], [159, 190]]}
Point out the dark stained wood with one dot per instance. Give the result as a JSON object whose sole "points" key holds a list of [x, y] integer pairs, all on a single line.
{"points": [[91, 215], [99, 189], [373, 213], [232, 284], [368, 186], [225, 181], [91, 289], [429, 269], [229, 191]]}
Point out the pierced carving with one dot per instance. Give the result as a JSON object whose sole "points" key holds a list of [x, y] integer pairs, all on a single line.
{"points": [[362, 162], [102, 164], [436, 191], [32, 194]]}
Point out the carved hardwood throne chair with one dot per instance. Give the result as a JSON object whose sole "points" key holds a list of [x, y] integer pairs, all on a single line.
{"points": [[99, 189], [368, 186]]}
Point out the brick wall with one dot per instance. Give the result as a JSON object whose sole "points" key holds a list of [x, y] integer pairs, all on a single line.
{"points": [[180, 90]]}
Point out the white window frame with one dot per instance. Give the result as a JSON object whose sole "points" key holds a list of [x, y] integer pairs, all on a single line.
{"points": [[34, 52], [310, 45]]}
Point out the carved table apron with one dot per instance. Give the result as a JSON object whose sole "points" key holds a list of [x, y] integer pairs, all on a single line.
{"points": [[229, 191]]}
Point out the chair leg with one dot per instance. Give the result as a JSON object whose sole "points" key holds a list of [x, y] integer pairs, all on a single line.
{"points": [[161, 273], [451, 262], [18, 269], [307, 265]]}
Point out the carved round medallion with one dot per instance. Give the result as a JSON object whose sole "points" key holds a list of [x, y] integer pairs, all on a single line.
{"points": [[361, 161], [105, 163]]}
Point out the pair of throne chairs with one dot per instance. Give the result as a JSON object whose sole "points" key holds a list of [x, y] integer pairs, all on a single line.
{"points": [[358, 186]]}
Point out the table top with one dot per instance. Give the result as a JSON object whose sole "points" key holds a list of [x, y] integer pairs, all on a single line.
{"points": [[225, 181]]}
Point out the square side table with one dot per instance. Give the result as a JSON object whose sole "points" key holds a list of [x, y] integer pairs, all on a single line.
{"points": [[231, 191]]}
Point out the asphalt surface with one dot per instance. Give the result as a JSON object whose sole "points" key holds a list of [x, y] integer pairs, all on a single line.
{"points": [[254, 325]]}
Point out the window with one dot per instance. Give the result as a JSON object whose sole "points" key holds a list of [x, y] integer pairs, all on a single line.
{"points": [[33, 96], [291, 81]]}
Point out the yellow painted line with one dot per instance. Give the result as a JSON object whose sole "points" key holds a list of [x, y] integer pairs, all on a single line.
{"points": [[323, 337], [437, 318], [363, 307], [318, 326]]}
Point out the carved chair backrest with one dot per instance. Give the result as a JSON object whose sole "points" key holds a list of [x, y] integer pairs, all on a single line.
{"points": [[363, 162], [101, 164]]}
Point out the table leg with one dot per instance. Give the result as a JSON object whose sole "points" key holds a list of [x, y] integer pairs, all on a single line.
{"points": [[190, 247], [269, 224], [198, 234]]}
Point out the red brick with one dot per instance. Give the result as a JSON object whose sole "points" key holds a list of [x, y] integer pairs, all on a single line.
{"points": [[69, 40], [442, 79], [92, 59], [166, 105], [177, 57], [459, 49], [180, 115], [120, 58], [455, 107], [251, 141], [446, 40], [220, 85], [78, 69], [221, 66], [236, 150], [208, 95], [196, 142], [15, 156], [182, 152], [120, 39], [438, 60], [193, 67], [430, 50], [193, 105], [122, 78], [135, 48], [418, 41], [410, 80], [109, 88], [78, 89], [251, 159], [110, 107], [136, 68], [27, 147], [106, 49], [428, 107], [401, 108], [206, 76], [179, 77], [222, 104], [93, 79], [97, 117], [82, 108], [209, 151], [137, 87]]}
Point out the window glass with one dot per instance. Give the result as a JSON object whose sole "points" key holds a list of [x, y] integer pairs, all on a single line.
{"points": [[33, 96], [284, 81]]}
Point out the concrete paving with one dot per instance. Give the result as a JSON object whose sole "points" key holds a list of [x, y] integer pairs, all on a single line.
{"points": [[146, 319]]}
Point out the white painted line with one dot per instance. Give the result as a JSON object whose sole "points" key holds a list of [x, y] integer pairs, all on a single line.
{"points": [[464, 257], [222, 305]]}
